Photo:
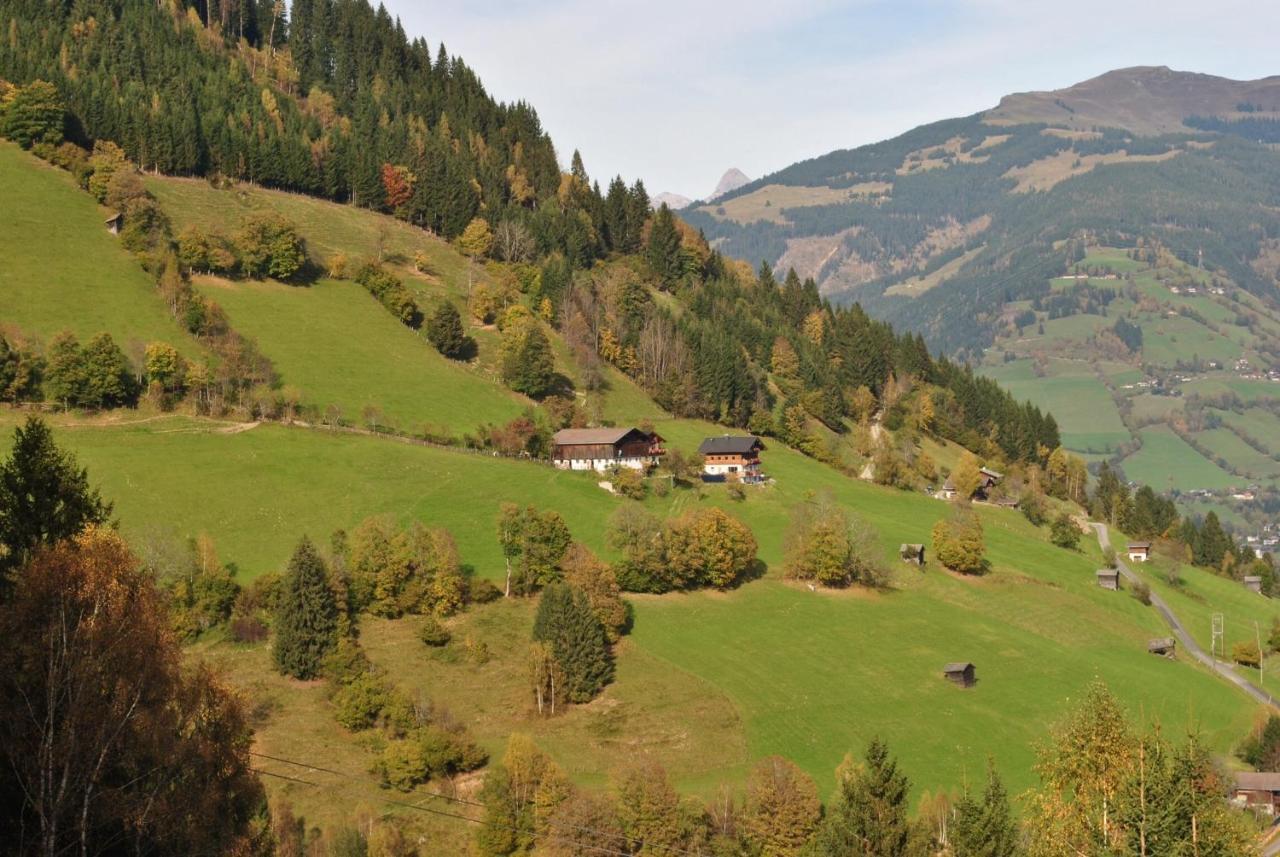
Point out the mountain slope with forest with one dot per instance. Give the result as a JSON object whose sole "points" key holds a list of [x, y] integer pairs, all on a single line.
{"points": [[983, 207]]}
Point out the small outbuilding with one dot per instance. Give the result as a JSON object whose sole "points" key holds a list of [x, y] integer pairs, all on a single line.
{"points": [[1109, 578], [1257, 790], [114, 223], [960, 674], [1253, 583], [948, 490], [912, 553], [1163, 646], [1139, 551]]}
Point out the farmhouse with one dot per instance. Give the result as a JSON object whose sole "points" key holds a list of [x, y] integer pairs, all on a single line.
{"points": [[731, 459], [912, 553], [1258, 790], [602, 448], [987, 480], [1253, 583], [1164, 646], [960, 674], [1109, 578], [1139, 551], [114, 222]]}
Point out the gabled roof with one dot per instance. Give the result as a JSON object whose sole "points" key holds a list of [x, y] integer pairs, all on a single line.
{"points": [[1108, 572], [575, 437], [987, 471], [957, 667], [948, 485], [1252, 578], [1146, 546], [1258, 781], [731, 445]]}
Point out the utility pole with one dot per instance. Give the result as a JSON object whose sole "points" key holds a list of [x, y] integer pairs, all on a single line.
{"points": [[1258, 636]]}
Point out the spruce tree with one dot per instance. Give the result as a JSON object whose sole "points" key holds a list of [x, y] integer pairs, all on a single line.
{"points": [[528, 365], [44, 496], [663, 252], [306, 619], [869, 816], [444, 331], [566, 622], [985, 828]]}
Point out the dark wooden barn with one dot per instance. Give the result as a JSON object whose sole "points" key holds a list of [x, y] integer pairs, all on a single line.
{"points": [[960, 674]]}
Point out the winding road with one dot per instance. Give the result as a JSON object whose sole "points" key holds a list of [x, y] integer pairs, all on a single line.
{"points": [[1184, 637]]}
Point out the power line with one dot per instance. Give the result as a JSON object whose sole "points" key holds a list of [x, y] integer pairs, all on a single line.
{"points": [[624, 840]]}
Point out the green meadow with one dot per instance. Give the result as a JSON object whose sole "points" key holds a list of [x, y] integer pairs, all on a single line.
{"points": [[336, 345], [1082, 404], [1166, 461], [63, 270]]}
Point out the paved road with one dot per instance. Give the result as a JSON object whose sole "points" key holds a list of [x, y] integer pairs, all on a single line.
{"points": [[1184, 638]]}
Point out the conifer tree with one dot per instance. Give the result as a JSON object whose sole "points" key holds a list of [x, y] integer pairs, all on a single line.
{"points": [[307, 616], [444, 331], [663, 252], [566, 623], [44, 496], [869, 816], [528, 364], [985, 827]]}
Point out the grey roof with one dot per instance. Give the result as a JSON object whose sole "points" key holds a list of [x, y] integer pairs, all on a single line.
{"points": [[905, 547], [957, 667], [730, 445], [948, 485], [1253, 578], [1108, 572], [1258, 781], [987, 471], [1162, 643], [1140, 545], [591, 435]]}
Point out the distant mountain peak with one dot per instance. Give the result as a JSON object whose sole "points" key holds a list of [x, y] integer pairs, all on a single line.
{"points": [[674, 201], [732, 179], [1143, 100]]}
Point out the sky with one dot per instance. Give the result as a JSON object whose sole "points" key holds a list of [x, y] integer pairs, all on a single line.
{"points": [[677, 91]]}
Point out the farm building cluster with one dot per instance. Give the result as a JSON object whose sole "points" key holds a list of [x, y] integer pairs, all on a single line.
{"points": [[727, 458], [988, 479]]}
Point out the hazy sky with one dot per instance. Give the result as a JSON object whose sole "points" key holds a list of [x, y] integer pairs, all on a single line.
{"points": [[677, 91]]}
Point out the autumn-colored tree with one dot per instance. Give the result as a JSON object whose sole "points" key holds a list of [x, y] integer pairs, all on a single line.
{"points": [[709, 547], [649, 809], [476, 240], [967, 476], [397, 184], [958, 543], [583, 824], [105, 736], [107, 160], [782, 809], [520, 795], [584, 570], [828, 544]]}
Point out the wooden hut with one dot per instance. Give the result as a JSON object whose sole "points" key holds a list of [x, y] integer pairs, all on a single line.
{"points": [[114, 222], [1258, 790], [960, 674], [1139, 551], [1109, 578], [1163, 646], [912, 553], [1253, 584]]}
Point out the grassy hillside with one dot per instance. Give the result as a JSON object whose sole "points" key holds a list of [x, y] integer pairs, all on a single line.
{"points": [[63, 270], [809, 675], [336, 345]]}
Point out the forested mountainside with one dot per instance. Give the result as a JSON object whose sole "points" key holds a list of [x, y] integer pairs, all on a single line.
{"points": [[937, 229], [316, 104]]}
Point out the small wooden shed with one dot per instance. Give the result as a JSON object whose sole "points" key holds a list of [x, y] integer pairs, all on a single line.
{"points": [[960, 674], [1109, 578], [1253, 583], [114, 222], [912, 553], [1163, 646]]}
